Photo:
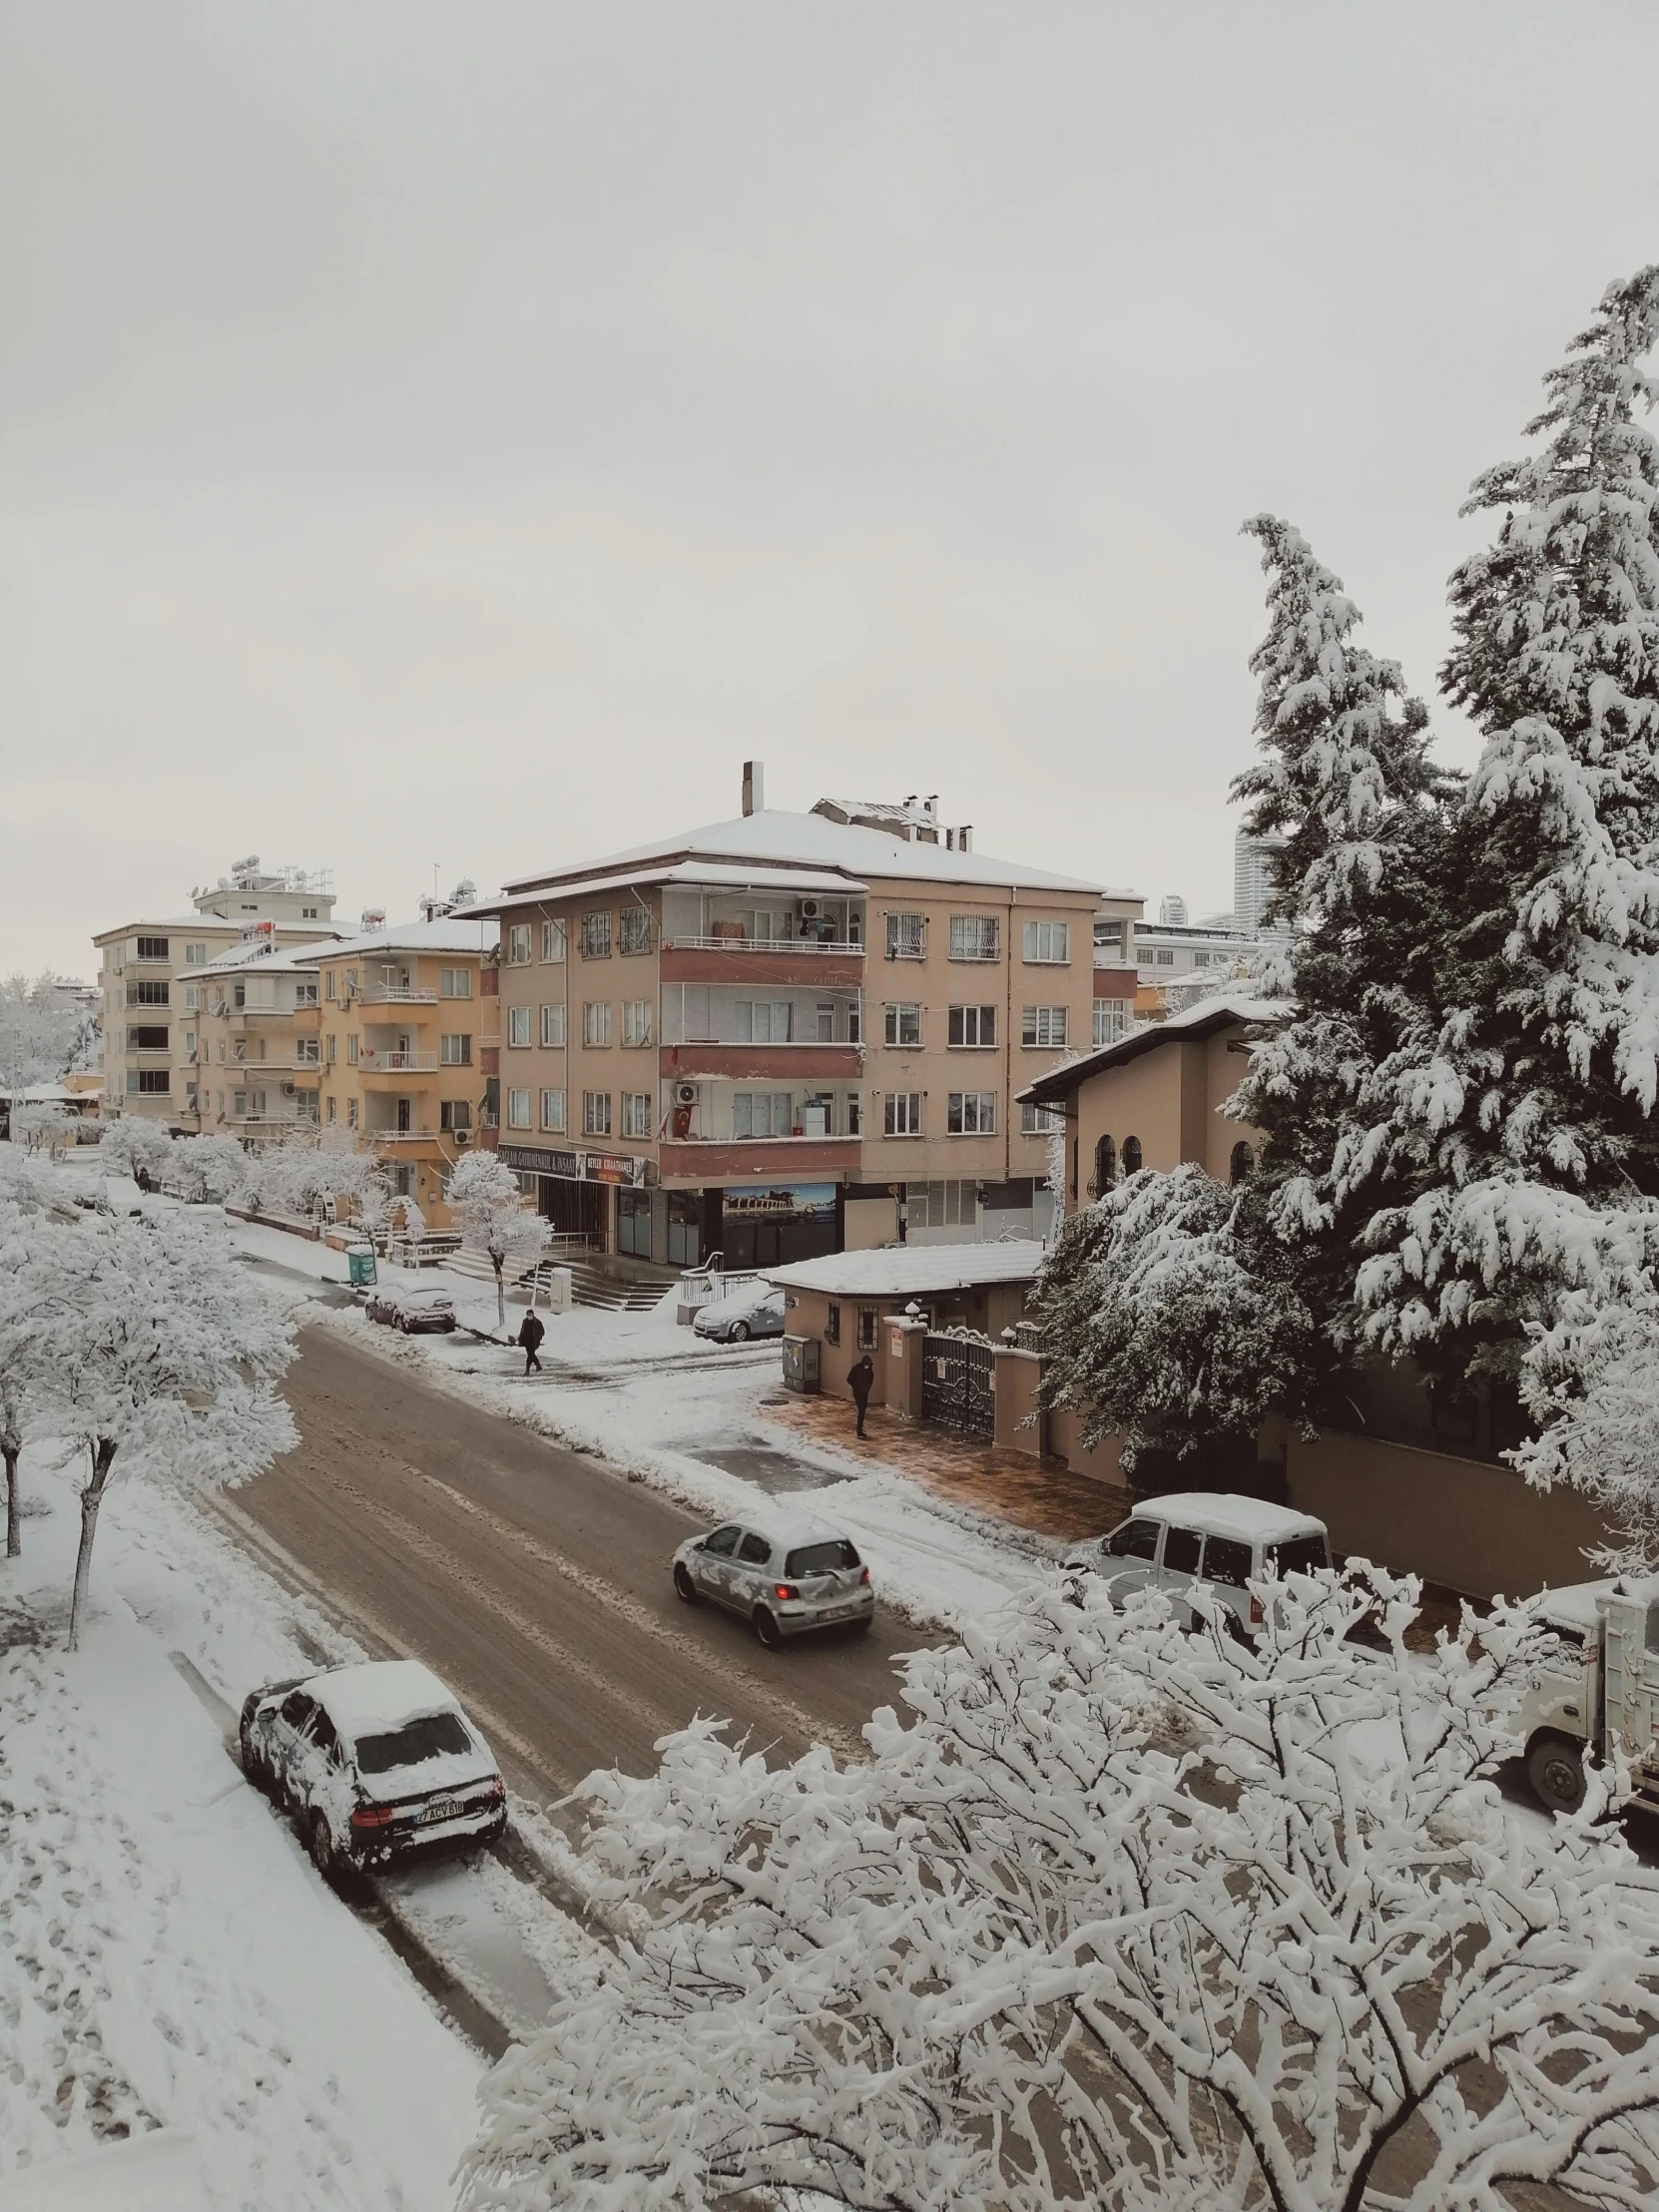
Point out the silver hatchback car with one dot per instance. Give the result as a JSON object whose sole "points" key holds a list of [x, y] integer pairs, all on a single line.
{"points": [[784, 1575]]}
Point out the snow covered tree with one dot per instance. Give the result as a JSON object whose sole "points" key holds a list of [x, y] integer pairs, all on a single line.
{"points": [[1588, 1380], [45, 1029], [132, 1142], [1171, 1317], [28, 1232], [208, 1169], [484, 1196], [1117, 1916], [45, 1124], [1535, 1059], [155, 1353]]}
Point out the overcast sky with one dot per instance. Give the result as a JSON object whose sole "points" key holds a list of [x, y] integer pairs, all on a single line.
{"points": [[461, 436]]}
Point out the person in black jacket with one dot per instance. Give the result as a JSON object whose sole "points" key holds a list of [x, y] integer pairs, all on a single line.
{"points": [[861, 1383], [530, 1334]]}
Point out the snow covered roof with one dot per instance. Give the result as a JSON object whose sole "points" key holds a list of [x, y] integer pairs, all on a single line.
{"points": [[771, 838], [266, 955], [379, 1696], [913, 1270], [707, 875], [471, 932], [1223, 1513], [1202, 1019]]}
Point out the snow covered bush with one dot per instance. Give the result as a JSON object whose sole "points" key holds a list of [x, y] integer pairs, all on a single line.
{"points": [[1591, 1382], [1118, 1918], [494, 1217], [1171, 1317], [208, 1169], [132, 1142], [151, 1349], [45, 1125], [27, 1232]]}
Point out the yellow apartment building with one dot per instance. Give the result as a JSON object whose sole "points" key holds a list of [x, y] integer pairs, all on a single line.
{"points": [[251, 1045], [790, 1033]]}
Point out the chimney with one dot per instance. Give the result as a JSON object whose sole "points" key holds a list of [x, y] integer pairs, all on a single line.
{"points": [[754, 787], [931, 804], [964, 838]]}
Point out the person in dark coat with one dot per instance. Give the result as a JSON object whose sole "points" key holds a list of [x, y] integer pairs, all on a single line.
{"points": [[530, 1334], [861, 1383]]}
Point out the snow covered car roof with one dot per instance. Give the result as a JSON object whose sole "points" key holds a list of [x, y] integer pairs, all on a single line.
{"points": [[1222, 1514], [378, 1697], [1574, 1605], [784, 1527], [424, 1296], [743, 1299]]}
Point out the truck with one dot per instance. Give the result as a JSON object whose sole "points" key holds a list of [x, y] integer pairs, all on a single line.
{"points": [[1600, 1692]]}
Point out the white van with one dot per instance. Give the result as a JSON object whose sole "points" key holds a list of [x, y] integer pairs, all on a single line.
{"points": [[1209, 1537], [1602, 1689]]}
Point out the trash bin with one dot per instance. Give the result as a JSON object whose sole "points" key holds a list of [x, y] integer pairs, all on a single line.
{"points": [[359, 1263], [801, 1356]]}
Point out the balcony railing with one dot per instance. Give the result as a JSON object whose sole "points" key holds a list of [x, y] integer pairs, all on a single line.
{"points": [[846, 947], [401, 1136], [392, 994], [398, 1063]]}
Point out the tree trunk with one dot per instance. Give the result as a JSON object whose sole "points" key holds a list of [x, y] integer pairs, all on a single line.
{"points": [[14, 1523], [91, 1498], [496, 1260]]}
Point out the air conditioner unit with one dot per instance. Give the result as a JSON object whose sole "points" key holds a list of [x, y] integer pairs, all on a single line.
{"points": [[287, 1090], [685, 1094], [461, 1136], [809, 909]]}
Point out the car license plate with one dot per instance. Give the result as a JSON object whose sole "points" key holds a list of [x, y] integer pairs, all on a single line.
{"points": [[839, 1612], [440, 1809]]}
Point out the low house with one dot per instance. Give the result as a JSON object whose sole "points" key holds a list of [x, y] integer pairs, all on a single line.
{"points": [[842, 1299]]}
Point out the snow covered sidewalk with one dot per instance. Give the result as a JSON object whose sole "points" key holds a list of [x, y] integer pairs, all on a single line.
{"points": [[167, 1956]]}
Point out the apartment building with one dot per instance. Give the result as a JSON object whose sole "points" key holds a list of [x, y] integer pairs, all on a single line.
{"points": [[1171, 955], [149, 981], [408, 1033], [787, 1034], [251, 1045]]}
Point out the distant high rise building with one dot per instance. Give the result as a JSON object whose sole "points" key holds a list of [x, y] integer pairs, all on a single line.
{"points": [[1252, 877], [1172, 911]]}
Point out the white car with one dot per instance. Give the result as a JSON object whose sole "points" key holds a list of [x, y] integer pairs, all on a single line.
{"points": [[784, 1572], [755, 1311], [372, 1761], [1209, 1538], [416, 1311]]}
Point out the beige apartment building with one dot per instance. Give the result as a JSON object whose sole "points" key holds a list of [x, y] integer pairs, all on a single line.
{"points": [[254, 1044], [407, 1027], [788, 1033], [150, 980]]}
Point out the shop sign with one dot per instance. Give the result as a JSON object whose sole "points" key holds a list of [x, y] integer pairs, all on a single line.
{"points": [[612, 1167], [535, 1159], [780, 1202]]}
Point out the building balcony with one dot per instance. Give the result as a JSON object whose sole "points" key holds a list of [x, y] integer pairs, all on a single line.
{"points": [[754, 960], [372, 1064], [405, 1136], [759, 1159], [1114, 981], [393, 994], [767, 1063]]}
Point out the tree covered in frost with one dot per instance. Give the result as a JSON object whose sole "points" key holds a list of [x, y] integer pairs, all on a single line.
{"points": [[27, 1231], [1171, 1317], [45, 1029], [208, 1168], [484, 1194], [1591, 1384], [1534, 1060], [152, 1349], [132, 1142], [1116, 1916]]}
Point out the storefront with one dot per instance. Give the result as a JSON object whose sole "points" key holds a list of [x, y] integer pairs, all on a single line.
{"points": [[773, 1227], [573, 1190]]}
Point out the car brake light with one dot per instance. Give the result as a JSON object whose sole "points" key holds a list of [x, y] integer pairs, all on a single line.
{"points": [[788, 1589], [495, 1788], [1256, 1616], [374, 1816], [865, 1577]]}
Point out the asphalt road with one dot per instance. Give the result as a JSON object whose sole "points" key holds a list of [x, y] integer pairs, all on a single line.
{"points": [[534, 1581]]}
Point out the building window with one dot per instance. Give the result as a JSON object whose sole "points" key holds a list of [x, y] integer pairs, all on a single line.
{"points": [[193, 998], [867, 1328], [151, 948], [307, 913], [901, 1114], [553, 1111], [454, 1113], [854, 1114], [949, 1205], [146, 994], [455, 1051], [1130, 1154], [596, 936], [332, 1042], [148, 1082], [147, 1039], [518, 1025], [196, 956], [636, 1018], [1039, 1121], [971, 1028], [1048, 942], [901, 1025], [970, 1114], [1105, 1166], [352, 1050], [906, 937], [307, 1052], [553, 941], [1045, 1025], [634, 929], [762, 1113], [553, 1028], [596, 1023], [1166, 958], [329, 979], [1108, 940], [240, 996], [833, 1324], [454, 982], [518, 945], [1111, 1019], [636, 1113], [1242, 1162], [352, 1113], [596, 1113], [975, 937], [304, 994], [762, 1020], [189, 1044], [518, 1109], [305, 1106]]}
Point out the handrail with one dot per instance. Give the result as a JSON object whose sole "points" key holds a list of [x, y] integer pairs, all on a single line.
{"points": [[398, 1063], [761, 944]]}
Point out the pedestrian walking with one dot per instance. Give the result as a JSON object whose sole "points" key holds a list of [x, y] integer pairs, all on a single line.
{"points": [[861, 1383], [530, 1334]]}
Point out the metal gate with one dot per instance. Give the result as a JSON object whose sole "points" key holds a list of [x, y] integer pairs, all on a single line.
{"points": [[959, 1370]]}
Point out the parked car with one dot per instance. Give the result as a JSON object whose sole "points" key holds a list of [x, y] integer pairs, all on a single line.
{"points": [[755, 1311], [1603, 1687], [1208, 1539], [416, 1312], [372, 1761], [785, 1576]]}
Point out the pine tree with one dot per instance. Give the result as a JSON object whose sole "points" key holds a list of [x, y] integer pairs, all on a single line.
{"points": [[1520, 1103]]}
